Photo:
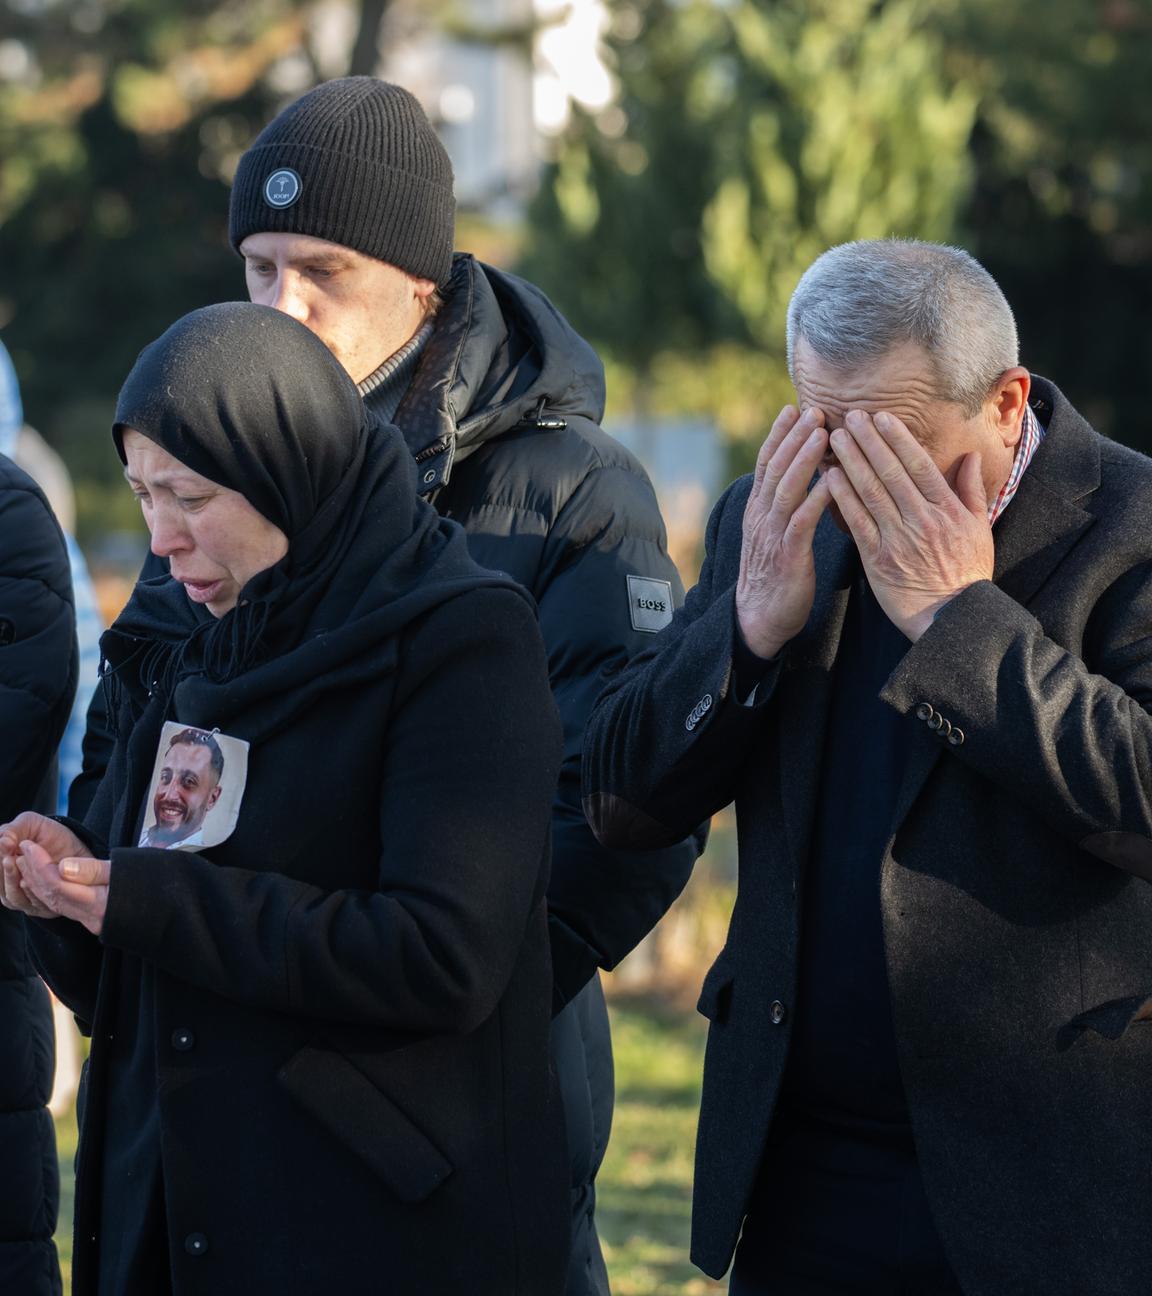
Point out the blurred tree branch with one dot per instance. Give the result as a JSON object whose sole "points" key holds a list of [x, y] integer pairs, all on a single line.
{"points": [[366, 47]]}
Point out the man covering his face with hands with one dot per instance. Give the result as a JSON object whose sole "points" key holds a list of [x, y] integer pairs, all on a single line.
{"points": [[919, 658]]}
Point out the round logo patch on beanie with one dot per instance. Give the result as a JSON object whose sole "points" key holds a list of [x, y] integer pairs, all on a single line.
{"points": [[282, 188]]}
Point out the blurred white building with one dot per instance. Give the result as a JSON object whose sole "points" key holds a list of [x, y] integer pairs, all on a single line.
{"points": [[498, 90]]}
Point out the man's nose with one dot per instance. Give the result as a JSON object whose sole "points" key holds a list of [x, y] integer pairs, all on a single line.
{"points": [[289, 296]]}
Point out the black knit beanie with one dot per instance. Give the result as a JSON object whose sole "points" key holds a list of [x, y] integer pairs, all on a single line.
{"points": [[355, 162]]}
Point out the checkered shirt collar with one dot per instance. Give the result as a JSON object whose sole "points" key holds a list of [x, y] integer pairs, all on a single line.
{"points": [[1031, 434]]}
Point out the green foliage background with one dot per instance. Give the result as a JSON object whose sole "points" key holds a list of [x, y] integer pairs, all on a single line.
{"points": [[746, 136], [749, 136]]}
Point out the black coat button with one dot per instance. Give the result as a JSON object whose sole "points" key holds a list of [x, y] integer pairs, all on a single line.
{"points": [[183, 1039], [956, 737], [777, 1012], [925, 711], [196, 1244], [936, 721]]}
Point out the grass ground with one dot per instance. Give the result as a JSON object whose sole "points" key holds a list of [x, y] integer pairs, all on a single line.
{"points": [[646, 1184], [644, 1190], [66, 1148]]}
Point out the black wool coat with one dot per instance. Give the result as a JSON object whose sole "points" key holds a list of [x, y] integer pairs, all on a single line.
{"points": [[38, 667], [503, 418], [1015, 888], [352, 992]]}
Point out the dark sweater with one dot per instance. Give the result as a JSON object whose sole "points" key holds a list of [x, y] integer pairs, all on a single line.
{"points": [[842, 1067]]}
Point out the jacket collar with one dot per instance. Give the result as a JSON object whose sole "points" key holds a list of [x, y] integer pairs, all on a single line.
{"points": [[427, 414], [499, 355], [1047, 517]]}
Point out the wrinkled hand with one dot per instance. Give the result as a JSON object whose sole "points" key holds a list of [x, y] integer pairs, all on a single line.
{"points": [[920, 541], [15, 895], [48, 872], [777, 581], [56, 839]]}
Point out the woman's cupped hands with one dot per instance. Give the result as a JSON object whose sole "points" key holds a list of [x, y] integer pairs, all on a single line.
{"points": [[48, 872]]}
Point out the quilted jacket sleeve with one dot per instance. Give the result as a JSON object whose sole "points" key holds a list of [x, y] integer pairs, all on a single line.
{"points": [[668, 740], [38, 657], [602, 902]]}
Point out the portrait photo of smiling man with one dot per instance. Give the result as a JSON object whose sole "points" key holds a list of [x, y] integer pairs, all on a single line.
{"points": [[187, 786]]}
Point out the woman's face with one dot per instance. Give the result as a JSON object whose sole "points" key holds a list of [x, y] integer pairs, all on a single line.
{"points": [[214, 539]]}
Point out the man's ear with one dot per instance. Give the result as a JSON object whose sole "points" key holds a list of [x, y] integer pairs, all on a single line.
{"points": [[422, 289], [214, 796], [1007, 403]]}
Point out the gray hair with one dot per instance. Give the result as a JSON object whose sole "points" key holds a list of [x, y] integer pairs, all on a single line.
{"points": [[859, 300]]}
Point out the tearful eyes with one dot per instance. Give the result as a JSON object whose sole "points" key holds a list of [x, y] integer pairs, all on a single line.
{"points": [[187, 502]]}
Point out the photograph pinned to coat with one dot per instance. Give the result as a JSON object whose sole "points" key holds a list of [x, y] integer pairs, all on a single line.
{"points": [[196, 788]]}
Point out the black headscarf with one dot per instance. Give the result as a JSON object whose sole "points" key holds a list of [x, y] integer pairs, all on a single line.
{"points": [[250, 399]]}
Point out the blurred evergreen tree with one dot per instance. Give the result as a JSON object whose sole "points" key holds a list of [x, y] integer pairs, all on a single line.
{"points": [[120, 124], [1061, 208], [747, 138], [616, 232]]}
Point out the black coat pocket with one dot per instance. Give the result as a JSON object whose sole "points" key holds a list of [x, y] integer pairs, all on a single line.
{"points": [[716, 992], [367, 1122]]}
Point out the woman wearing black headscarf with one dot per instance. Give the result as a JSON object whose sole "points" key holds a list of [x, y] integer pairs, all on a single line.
{"points": [[319, 1017]]}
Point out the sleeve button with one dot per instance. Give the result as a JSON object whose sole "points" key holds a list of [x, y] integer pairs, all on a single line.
{"points": [[956, 737], [777, 1012], [924, 711]]}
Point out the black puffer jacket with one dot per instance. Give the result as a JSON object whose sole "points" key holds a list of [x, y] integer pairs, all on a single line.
{"points": [[38, 666], [503, 417]]}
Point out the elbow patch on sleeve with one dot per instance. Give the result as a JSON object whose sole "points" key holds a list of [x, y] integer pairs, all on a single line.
{"points": [[1130, 851], [620, 825]]}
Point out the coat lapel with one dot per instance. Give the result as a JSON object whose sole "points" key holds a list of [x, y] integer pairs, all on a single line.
{"points": [[807, 686], [1033, 536]]}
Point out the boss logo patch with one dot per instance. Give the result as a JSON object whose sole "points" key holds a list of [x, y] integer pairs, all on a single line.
{"points": [[649, 603], [282, 188]]}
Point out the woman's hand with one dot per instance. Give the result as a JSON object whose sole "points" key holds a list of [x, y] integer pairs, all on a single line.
{"points": [[58, 841], [76, 888], [48, 872], [14, 895]]}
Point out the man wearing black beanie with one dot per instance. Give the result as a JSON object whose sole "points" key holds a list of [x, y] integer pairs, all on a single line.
{"points": [[343, 212]]}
